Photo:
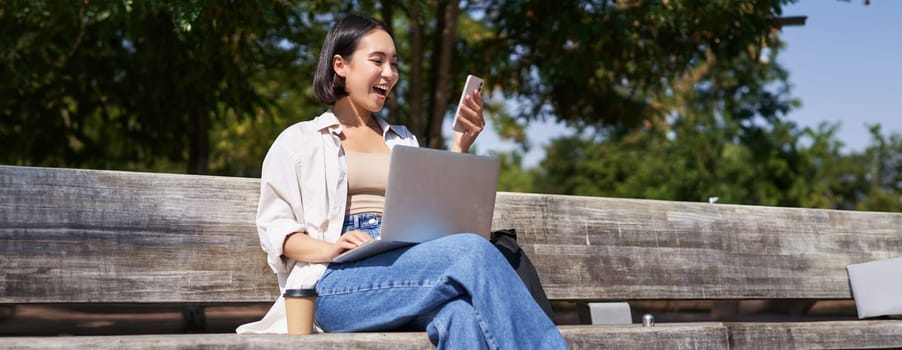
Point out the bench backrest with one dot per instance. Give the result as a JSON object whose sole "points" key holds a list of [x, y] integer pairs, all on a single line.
{"points": [[108, 236]]}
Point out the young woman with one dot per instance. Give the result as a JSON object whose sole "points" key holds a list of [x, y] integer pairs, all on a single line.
{"points": [[322, 192]]}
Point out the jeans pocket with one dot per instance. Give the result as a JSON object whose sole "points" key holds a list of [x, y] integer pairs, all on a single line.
{"points": [[374, 230], [365, 226]]}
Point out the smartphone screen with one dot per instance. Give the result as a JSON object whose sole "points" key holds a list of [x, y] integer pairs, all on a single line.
{"points": [[473, 83]]}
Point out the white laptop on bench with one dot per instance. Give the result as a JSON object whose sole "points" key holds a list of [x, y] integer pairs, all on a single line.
{"points": [[430, 194]]}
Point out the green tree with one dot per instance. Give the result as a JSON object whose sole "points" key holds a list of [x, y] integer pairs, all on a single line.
{"points": [[872, 179], [595, 62], [513, 177], [718, 130], [136, 85], [163, 84], [140, 85]]}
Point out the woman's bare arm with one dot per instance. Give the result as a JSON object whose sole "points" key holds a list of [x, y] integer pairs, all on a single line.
{"points": [[301, 247]]}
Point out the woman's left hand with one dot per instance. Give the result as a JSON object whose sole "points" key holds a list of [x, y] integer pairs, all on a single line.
{"points": [[471, 121]]}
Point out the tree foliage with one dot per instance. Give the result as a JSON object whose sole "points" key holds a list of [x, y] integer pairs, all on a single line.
{"points": [[145, 85], [787, 167], [871, 179], [113, 84], [594, 62]]}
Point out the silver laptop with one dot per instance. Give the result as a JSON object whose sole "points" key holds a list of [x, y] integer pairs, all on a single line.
{"points": [[430, 194]]}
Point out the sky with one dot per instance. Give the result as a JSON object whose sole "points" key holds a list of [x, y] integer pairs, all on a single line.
{"points": [[844, 67]]}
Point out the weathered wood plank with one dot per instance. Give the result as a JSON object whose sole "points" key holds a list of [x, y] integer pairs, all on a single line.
{"points": [[880, 334], [683, 336], [695, 336], [106, 236], [348, 341], [619, 249], [809, 335]]}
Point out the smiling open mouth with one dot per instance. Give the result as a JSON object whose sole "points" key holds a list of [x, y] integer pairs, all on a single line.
{"points": [[381, 90]]}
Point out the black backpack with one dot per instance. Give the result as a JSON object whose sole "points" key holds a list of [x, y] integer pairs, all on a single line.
{"points": [[506, 242]]}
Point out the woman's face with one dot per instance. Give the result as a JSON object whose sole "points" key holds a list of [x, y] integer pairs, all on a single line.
{"points": [[371, 72]]}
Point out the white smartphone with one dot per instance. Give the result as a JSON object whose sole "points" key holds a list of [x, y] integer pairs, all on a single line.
{"points": [[473, 83]]}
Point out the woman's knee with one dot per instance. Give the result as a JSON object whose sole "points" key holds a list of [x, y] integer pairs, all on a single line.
{"points": [[469, 246], [462, 248], [468, 241]]}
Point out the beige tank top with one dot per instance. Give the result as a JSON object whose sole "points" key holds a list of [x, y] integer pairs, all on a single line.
{"points": [[367, 178]]}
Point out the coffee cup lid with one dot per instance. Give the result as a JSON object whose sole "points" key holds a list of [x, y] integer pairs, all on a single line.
{"points": [[300, 293]]}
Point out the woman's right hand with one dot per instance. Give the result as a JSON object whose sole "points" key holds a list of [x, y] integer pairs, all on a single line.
{"points": [[350, 240]]}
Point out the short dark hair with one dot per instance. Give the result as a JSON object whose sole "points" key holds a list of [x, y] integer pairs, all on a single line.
{"points": [[342, 40]]}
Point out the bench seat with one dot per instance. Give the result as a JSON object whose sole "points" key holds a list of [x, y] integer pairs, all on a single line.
{"points": [[689, 335], [864, 334], [672, 336]]}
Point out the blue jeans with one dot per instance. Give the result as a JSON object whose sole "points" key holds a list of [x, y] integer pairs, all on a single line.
{"points": [[366, 222], [458, 288]]}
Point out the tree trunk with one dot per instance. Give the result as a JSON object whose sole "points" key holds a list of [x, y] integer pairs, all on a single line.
{"points": [[387, 18], [199, 143], [447, 26], [415, 91]]}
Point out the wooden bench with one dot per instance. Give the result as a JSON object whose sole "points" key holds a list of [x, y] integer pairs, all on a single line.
{"points": [[88, 236]]}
